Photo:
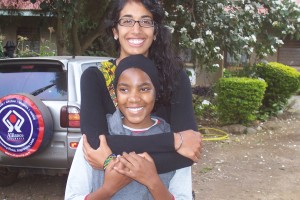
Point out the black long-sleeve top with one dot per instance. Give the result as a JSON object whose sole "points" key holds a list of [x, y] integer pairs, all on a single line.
{"points": [[96, 103]]}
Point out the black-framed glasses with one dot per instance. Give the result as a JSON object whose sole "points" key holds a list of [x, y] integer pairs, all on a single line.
{"points": [[146, 23]]}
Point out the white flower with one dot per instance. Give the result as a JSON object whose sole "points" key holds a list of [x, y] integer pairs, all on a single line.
{"points": [[198, 40], [180, 7], [216, 49], [246, 38], [173, 23], [166, 14], [253, 37], [216, 65], [205, 102], [220, 56], [275, 23], [193, 24], [273, 49], [208, 32], [278, 41], [291, 27], [183, 30], [231, 15]]}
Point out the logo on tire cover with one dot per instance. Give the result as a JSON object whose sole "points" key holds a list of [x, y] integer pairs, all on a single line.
{"points": [[21, 126]]}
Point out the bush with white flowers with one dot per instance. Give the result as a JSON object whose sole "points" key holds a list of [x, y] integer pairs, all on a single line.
{"points": [[210, 28]]}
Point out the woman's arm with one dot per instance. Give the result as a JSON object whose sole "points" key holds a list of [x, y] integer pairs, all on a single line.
{"points": [[95, 104]]}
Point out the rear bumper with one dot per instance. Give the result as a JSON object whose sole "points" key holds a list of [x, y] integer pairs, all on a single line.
{"points": [[58, 155]]}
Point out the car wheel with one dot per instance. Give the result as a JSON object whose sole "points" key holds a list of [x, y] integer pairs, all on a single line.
{"points": [[8, 176], [26, 125]]}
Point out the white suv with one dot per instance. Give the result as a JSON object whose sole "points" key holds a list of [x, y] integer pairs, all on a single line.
{"points": [[40, 113]]}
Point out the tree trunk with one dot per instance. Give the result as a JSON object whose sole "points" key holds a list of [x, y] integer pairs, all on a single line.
{"points": [[74, 31], [60, 36]]}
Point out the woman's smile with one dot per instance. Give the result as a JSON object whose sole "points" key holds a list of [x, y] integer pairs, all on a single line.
{"points": [[135, 42]]}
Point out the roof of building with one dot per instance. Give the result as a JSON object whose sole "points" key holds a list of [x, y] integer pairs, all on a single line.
{"points": [[20, 5]]}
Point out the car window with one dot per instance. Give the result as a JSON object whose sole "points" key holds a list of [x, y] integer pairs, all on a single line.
{"points": [[44, 81], [87, 65]]}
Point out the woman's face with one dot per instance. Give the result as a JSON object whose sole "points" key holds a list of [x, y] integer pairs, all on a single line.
{"points": [[134, 40], [136, 98]]}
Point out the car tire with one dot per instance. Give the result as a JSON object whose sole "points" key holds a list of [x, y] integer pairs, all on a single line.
{"points": [[8, 176], [26, 125]]}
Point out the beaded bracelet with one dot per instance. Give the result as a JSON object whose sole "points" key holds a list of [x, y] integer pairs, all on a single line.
{"points": [[181, 137], [108, 159]]}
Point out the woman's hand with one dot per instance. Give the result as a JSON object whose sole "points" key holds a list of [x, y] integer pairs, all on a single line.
{"points": [[139, 167], [96, 157], [191, 144]]}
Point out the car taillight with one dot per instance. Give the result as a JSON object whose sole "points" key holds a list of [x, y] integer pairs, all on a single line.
{"points": [[70, 117], [74, 145]]}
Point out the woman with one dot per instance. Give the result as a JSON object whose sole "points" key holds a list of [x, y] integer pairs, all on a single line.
{"points": [[137, 29]]}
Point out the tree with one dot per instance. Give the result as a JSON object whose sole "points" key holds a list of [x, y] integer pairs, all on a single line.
{"points": [[207, 28], [210, 28], [79, 23]]}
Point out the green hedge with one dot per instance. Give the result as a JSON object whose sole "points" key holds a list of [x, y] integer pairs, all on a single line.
{"points": [[239, 99], [282, 80]]}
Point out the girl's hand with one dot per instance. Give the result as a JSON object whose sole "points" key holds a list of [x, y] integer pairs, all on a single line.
{"points": [[191, 144], [114, 181], [96, 157], [139, 167]]}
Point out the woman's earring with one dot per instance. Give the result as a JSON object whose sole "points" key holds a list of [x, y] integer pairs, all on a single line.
{"points": [[115, 37], [154, 38]]}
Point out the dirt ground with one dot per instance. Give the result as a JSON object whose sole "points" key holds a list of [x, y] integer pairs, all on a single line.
{"points": [[258, 166], [261, 166]]}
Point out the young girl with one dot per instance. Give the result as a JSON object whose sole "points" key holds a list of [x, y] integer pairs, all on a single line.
{"points": [[136, 82]]}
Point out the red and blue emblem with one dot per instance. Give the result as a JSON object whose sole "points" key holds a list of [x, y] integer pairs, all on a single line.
{"points": [[21, 126]]}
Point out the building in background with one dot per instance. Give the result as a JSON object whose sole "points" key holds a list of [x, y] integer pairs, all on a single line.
{"points": [[22, 18]]}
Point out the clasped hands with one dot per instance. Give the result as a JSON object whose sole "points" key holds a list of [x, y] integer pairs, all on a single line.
{"points": [[122, 170]]}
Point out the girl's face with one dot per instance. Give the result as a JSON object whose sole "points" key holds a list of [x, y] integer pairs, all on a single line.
{"points": [[136, 98], [134, 40]]}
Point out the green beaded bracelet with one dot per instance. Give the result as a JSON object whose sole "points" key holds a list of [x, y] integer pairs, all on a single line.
{"points": [[108, 159]]}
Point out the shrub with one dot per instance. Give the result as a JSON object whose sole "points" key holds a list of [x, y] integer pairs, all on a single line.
{"points": [[204, 105], [239, 99], [282, 80]]}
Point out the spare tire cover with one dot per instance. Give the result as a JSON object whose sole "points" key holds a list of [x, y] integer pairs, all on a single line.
{"points": [[26, 125]]}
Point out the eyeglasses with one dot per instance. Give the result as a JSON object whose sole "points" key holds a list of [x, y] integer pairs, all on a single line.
{"points": [[146, 23]]}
